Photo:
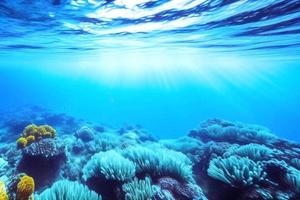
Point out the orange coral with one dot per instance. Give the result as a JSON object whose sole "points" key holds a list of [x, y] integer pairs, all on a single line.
{"points": [[25, 188], [3, 194], [21, 142]]}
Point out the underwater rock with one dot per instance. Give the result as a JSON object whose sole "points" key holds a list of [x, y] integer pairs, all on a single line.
{"points": [[85, 133], [42, 160]]}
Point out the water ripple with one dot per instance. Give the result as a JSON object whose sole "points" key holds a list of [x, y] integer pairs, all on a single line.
{"points": [[87, 25]]}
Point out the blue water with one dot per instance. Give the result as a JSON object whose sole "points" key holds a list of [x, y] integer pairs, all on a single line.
{"points": [[166, 65]]}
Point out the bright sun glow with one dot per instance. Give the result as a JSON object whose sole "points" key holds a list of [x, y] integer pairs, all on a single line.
{"points": [[165, 68]]}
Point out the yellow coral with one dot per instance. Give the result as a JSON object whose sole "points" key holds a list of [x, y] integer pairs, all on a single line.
{"points": [[33, 133], [25, 188], [42, 130], [21, 142], [30, 139], [3, 194], [49, 129], [31, 129], [47, 135]]}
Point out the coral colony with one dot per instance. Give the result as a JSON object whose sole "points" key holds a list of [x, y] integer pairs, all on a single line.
{"points": [[218, 161]]}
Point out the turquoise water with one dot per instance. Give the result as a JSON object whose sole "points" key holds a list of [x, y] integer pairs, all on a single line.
{"points": [[149, 99], [166, 65], [168, 101]]}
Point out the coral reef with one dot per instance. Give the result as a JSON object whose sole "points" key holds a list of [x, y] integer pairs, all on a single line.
{"points": [[43, 160], [233, 132], [220, 160]]}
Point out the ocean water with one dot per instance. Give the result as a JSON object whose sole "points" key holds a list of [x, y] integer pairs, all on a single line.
{"points": [[163, 67]]}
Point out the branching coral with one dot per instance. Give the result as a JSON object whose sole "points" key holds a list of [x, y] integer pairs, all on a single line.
{"points": [[25, 188], [3, 194], [139, 190], [67, 190], [236, 171], [109, 165]]}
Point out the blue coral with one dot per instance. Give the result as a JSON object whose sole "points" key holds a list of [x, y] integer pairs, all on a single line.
{"points": [[161, 162], [109, 165], [293, 179], [255, 152], [139, 189], [68, 190], [236, 171]]}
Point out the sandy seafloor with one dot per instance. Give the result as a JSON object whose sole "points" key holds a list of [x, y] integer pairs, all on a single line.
{"points": [[218, 160]]}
